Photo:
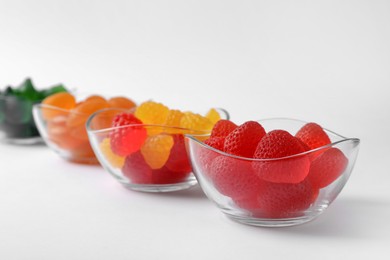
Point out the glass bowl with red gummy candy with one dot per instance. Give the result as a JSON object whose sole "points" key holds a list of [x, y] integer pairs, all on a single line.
{"points": [[144, 148], [273, 172], [61, 119]]}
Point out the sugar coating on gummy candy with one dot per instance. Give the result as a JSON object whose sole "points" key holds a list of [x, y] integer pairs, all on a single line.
{"points": [[327, 167], [204, 158], [127, 135], [223, 128], [195, 122], [173, 118], [313, 135], [136, 169], [156, 150], [115, 160], [216, 142], [178, 159], [279, 200], [279, 144], [234, 177], [243, 140]]}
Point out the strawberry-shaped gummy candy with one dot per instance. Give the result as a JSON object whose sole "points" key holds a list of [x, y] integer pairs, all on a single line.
{"points": [[127, 135], [243, 140], [280, 144]]}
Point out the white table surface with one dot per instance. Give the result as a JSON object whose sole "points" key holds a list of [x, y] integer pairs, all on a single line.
{"points": [[323, 62]]}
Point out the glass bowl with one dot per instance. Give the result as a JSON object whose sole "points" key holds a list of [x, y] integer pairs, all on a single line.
{"points": [[69, 141], [64, 130], [157, 163], [17, 125], [238, 187]]}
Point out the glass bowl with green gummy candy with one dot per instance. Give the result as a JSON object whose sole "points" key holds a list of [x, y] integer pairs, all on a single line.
{"points": [[16, 121]]}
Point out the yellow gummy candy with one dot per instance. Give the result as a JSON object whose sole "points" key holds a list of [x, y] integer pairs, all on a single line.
{"points": [[196, 122], [156, 150], [114, 159], [151, 112], [173, 121], [213, 116]]}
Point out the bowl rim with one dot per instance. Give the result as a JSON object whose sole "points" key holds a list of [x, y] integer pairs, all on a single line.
{"points": [[343, 140], [40, 106], [93, 115]]}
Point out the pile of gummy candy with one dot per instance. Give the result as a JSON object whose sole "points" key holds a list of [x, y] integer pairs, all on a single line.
{"points": [[145, 144]]}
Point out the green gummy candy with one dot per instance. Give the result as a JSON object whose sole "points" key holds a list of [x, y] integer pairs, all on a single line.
{"points": [[28, 91]]}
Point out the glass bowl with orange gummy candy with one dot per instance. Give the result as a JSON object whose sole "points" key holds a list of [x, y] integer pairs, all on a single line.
{"points": [[61, 118], [144, 148]]}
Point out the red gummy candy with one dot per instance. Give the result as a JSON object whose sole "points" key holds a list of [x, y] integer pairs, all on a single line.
{"points": [[204, 158], [327, 167], [279, 144], [234, 177], [178, 159], [249, 203], [127, 139], [223, 128], [136, 169], [244, 139], [139, 172], [166, 176], [216, 142], [305, 147], [313, 135], [282, 200]]}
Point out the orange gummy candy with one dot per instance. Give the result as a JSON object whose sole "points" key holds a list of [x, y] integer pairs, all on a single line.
{"points": [[82, 111], [62, 100], [79, 115], [95, 97], [104, 119], [58, 133], [72, 140], [121, 102]]}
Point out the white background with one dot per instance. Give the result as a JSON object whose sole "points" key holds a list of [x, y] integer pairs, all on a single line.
{"points": [[322, 61]]}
